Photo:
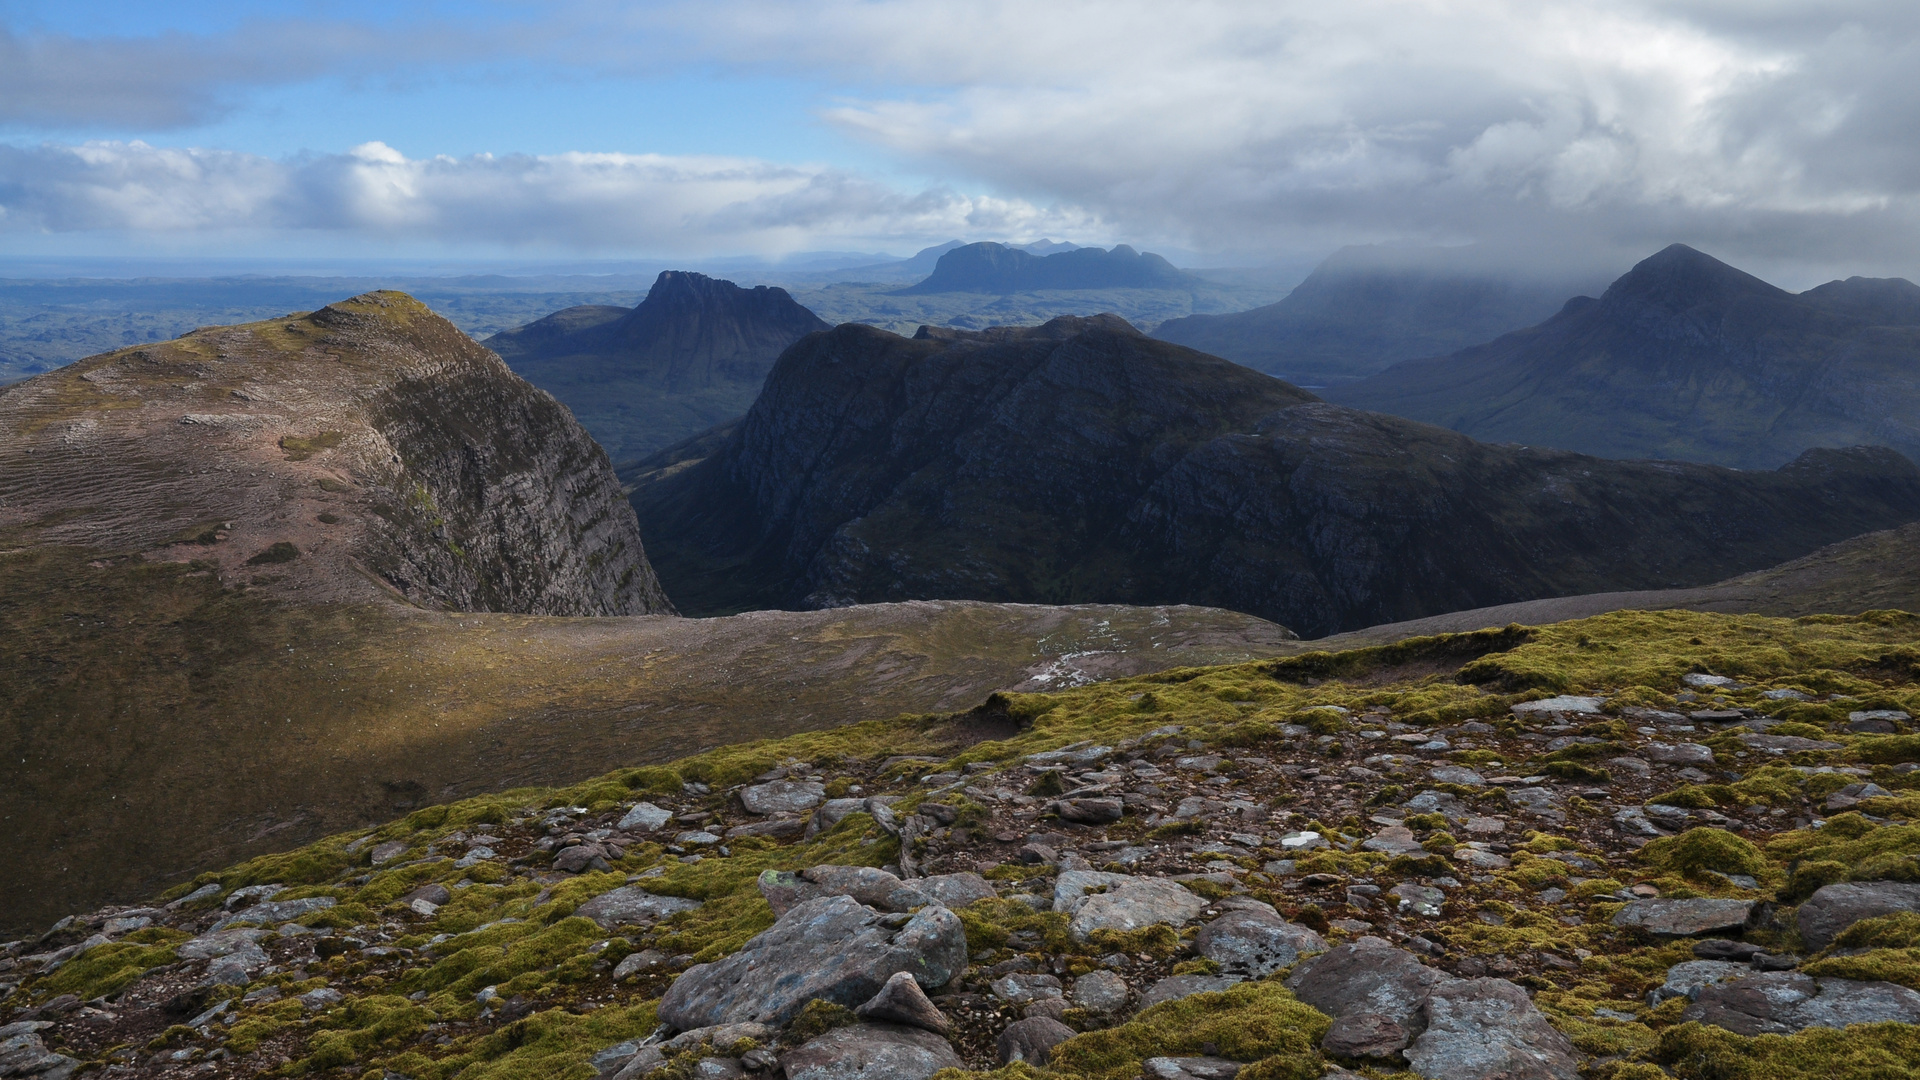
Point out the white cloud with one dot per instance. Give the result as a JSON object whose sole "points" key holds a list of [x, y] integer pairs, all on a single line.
{"points": [[574, 202]]}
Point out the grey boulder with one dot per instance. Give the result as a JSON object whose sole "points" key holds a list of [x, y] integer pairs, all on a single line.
{"points": [[782, 797], [1256, 943], [277, 911], [871, 1052], [1686, 753], [644, 817], [832, 948], [1683, 918], [1365, 1035], [1488, 1029], [1367, 976], [1782, 1002], [1100, 991], [1833, 908], [1129, 903], [1688, 979], [630, 905], [902, 1001], [1031, 1040]]}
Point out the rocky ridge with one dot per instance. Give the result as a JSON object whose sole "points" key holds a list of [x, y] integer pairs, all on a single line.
{"points": [[1255, 871], [1082, 461]]}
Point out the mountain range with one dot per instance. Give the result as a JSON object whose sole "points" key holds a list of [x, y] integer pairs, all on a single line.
{"points": [[1082, 461], [689, 356], [1366, 308], [1685, 358], [997, 268]]}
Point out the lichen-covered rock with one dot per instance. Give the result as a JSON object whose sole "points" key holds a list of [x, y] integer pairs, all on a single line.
{"points": [[871, 1052], [1100, 991], [1833, 908], [832, 948], [631, 905], [645, 817], [873, 887], [1366, 976], [1688, 978], [1365, 1035], [782, 796], [1175, 987], [277, 911], [901, 1001], [1031, 1040], [1782, 1002], [1256, 943], [1683, 918], [1488, 1029], [1129, 903]]}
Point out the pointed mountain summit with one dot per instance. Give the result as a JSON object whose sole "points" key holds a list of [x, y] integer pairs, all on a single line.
{"points": [[691, 355], [1081, 461], [1367, 308], [997, 268], [1684, 357]]}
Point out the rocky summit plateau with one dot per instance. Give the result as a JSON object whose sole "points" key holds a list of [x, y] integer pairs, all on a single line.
{"points": [[1081, 461], [1636, 846]]}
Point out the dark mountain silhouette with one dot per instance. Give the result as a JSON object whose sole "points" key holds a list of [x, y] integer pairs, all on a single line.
{"points": [[1367, 308], [689, 356], [1083, 461], [997, 268], [1684, 357]]}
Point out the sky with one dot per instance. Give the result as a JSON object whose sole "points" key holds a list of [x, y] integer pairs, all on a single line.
{"points": [[1780, 135]]}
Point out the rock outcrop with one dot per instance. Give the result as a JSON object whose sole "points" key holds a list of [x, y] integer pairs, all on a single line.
{"points": [[1082, 461]]}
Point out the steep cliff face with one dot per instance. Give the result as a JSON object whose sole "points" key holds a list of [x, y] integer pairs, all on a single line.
{"points": [[1081, 461], [693, 354], [325, 455], [1684, 357]]}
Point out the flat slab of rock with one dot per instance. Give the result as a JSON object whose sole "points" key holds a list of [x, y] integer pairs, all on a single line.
{"points": [[1128, 904], [871, 1052], [631, 905], [1366, 976], [832, 948], [1686, 753], [644, 817], [1562, 704], [1095, 811], [1191, 1068], [1256, 943], [1687, 979], [782, 797], [1782, 1002], [277, 911], [1457, 774], [1394, 840], [1853, 795], [1684, 918], [871, 886], [1488, 1029], [1175, 987], [219, 943], [1833, 908], [1787, 744]]}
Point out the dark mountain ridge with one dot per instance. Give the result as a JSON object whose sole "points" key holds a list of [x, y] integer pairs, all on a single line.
{"points": [[1367, 308], [997, 268], [1688, 358], [692, 354], [1081, 461]]}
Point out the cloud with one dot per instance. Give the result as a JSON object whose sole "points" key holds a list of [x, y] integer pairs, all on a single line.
{"points": [[581, 202]]}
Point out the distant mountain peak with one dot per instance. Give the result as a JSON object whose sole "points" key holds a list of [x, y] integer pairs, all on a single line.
{"points": [[1678, 277], [997, 268]]}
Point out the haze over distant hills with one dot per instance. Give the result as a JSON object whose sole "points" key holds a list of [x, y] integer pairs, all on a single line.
{"points": [[997, 268], [1366, 308], [1083, 461], [1684, 357], [691, 355]]}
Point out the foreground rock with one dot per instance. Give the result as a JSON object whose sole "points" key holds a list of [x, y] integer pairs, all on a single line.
{"points": [[871, 1052], [1031, 1040], [1256, 943], [832, 948], [1129, 903], [902, 1001], [1367, 976], [1488, 1029], [1783, 1002], [1684, 918], [1833, 908]]}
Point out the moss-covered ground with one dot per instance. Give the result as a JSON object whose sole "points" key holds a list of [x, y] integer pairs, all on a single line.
{"points": [[504, 979]]}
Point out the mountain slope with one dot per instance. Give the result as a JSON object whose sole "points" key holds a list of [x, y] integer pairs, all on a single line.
{"points": [[1684, 357], [1082, 461], [997, 268], [267, 582], [692, 354], [367, 446], [1366, 308]]}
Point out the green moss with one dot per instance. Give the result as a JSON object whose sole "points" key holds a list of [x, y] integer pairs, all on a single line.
{"points": [[549, 1045], [1900, 966], [1251, 1022], [106, 968], [816, 1018], [363, 1025], [1574, 770], [1848, 848], [1884, 1051], [1697, 850], [299, 449], [1898, 931]]}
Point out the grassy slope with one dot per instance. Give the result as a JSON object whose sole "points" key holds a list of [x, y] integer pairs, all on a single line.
{"points": [[141, 694], [1634, 657]]}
